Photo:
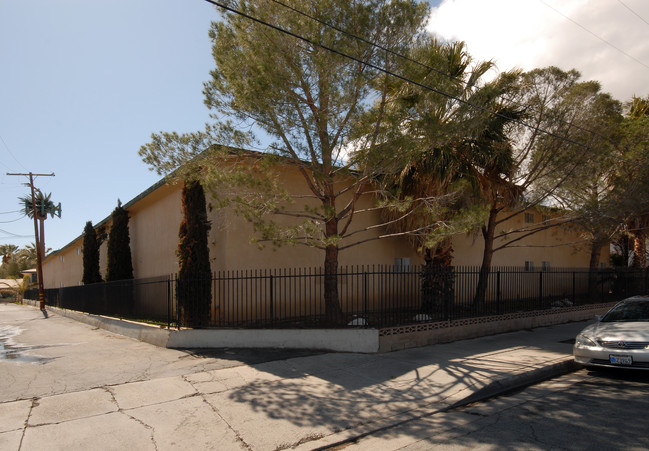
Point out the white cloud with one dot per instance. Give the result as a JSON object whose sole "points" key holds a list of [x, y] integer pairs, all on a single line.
{"points": [[528, 34]]}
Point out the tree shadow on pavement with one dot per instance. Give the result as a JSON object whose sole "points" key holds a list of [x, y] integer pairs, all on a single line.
{"points": [[290, 401]]}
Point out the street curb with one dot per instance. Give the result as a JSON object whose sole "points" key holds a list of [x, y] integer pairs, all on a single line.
{"points": [[517, 381], [493, 389]]}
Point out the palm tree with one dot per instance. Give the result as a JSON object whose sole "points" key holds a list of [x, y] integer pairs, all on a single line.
{"points": [[637, 127], [455, 152], [7, 251], [27, 256], [41, 206]]}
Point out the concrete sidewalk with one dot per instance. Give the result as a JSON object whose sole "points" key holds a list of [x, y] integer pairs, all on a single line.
{"points": [[306, 402]]}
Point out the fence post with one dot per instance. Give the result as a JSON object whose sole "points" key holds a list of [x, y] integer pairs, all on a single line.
{"points": [[174, 288], [365, 294], [541, 289], [498, 291], [168, 302], [574, 295], [272, 299]]}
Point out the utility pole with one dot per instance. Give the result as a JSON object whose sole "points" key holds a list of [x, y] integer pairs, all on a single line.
{"points": [[40, 247]]}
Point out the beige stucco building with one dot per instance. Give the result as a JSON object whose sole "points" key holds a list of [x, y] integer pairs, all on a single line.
{"points": [[155, 217]]}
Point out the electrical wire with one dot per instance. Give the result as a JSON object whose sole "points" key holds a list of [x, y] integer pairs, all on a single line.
{"points": [[425, 66], [13, 235], [13, 220], [637, 15], [401, 77], [10, 153], [595, 35]]}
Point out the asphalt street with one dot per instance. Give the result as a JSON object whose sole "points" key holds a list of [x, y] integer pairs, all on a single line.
{"points": [[586, 410]]}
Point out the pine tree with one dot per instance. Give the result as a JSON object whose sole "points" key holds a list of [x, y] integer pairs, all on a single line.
{"points": [[194, 276], [120, 266], [90, 255]]}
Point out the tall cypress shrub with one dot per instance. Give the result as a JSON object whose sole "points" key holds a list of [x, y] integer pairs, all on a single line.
{"points": [[90, 255], [195, 275], [120, 266]]}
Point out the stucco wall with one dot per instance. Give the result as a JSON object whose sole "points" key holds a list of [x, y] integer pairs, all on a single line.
{"points": [[156, 214], [560, 246], [153, 228], [238, 253]]}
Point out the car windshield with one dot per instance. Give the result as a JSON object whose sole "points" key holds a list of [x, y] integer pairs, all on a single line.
{"points": [[628, 311]]}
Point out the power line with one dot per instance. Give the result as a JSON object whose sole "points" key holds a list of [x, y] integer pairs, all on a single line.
{"points": [[10, 153], [423, 65], [595, 35], [637, 15], [401, 77], [13, 220], [13, 235]]}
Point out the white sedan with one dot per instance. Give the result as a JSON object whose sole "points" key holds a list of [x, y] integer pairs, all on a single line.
{"points": [[619, 339]]}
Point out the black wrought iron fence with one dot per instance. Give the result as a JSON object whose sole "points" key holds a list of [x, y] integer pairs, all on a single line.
{"points": [[147, 299], [367, 296]]}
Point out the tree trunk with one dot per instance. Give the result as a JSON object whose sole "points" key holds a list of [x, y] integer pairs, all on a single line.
{"points": [[593, 266], [437, 282], [333, 311], [488, 233], [639, 249]]}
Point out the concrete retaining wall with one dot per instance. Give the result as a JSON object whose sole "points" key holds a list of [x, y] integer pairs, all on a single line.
{"points": [[337, 340], [396, 338], [341, 340]]}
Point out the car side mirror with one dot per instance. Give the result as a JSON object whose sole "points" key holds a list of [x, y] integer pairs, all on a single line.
{"points": [[598, 317]]}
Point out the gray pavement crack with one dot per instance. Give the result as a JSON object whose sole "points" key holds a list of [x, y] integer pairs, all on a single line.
{"points": [[150, 428], [112, 397], [31, 407], [234, 431]]}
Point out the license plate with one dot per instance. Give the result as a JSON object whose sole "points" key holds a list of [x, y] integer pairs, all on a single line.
{"points": [[621, 359]]}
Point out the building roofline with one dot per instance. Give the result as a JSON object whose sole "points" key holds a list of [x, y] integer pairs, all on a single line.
{"points": [[126, 206]]}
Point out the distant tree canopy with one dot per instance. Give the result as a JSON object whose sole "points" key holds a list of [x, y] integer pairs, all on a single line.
{"points": [[91, 272], [120, 265], [195, 275], [15, 260]]}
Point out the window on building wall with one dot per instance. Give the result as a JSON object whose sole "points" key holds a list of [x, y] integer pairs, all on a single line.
{"points": [[529, 218], [61, 258], [602, 265], [529, 265], [401, 264], [545, 266]]}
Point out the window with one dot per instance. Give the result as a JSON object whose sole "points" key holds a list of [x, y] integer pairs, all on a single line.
{"points": [[545, 266], [401, 264], [61, 258], [529, 266], [602, 265], [529, 218]]}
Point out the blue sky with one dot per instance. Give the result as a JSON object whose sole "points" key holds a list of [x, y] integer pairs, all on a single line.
{"points": [[84, 83]]}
